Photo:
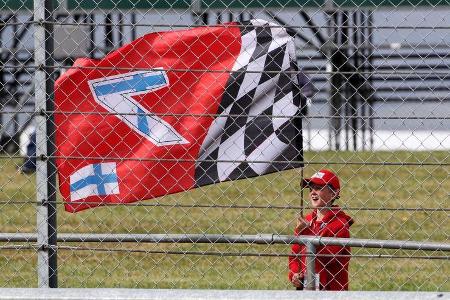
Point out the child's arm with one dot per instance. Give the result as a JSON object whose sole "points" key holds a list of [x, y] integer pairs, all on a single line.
{"points": [[295, 262]]}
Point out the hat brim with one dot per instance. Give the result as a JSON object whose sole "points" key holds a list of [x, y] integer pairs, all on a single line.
{"points": [[307, 181]]}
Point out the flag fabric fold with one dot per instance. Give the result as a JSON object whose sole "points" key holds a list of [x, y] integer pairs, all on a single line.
{"points": [[176, 110]]}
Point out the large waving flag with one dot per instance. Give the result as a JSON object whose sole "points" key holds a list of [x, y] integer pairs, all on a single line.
{"points": [[175, 110]]}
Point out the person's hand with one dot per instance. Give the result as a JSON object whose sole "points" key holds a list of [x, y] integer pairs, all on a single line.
{"points": [[301, 224], [297, 280]]}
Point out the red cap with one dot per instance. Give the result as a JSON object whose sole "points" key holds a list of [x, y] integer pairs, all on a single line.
{"points": [[323, 177]]}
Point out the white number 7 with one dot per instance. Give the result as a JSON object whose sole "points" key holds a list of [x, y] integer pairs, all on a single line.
{"points": [[115, 94]]}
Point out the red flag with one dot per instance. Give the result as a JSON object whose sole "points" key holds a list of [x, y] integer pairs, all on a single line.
{"points": [[153, 117]]}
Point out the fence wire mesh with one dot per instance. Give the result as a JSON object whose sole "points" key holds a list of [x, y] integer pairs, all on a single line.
{"points": [[374, 89]]}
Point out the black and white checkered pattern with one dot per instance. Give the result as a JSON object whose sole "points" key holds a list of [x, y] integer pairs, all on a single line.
{"points": [[256, 132]]}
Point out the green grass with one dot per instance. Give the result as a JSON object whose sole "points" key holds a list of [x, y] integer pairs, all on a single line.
{"points": [[364, 186]]}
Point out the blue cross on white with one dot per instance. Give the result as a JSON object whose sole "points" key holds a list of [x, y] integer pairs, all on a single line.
{"points": [[94, 180]]}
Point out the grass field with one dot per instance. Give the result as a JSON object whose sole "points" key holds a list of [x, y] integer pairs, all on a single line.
{"points": [[367, 189]]}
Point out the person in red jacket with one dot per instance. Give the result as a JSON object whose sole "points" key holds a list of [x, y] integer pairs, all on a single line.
{"points": [[326, 220]]}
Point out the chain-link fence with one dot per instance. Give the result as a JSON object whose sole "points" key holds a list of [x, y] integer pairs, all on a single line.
{"points": [[367, 81]]}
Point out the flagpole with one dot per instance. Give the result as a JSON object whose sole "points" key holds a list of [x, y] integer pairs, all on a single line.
{"points": [[299, 125], [301, 192]]}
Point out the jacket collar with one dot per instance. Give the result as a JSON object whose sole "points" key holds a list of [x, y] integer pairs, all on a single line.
{"points": [[334, 212]]}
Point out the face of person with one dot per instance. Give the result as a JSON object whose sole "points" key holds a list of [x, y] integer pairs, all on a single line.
{"points": [[321, 195]]}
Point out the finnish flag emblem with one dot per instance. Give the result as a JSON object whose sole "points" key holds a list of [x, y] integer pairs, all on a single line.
{"points": [[94, 180]]}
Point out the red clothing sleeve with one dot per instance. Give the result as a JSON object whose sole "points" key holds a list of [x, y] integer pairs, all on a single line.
{"points": [[297, 262]]}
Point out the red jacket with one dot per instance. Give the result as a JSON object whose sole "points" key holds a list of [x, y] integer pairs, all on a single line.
{"points": [[333, 271]]}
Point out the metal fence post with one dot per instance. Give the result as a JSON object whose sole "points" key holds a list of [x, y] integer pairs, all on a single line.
{"points": [[45, 148], [310, 266]]}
